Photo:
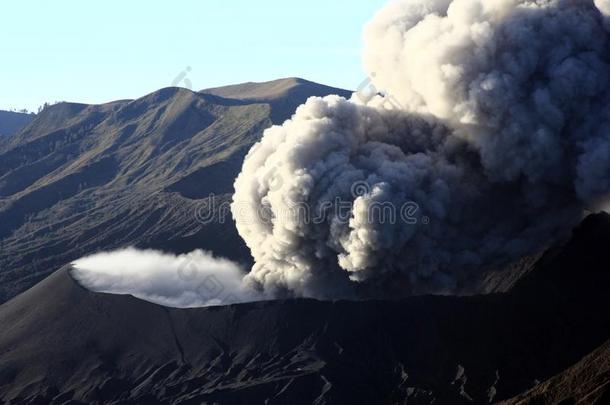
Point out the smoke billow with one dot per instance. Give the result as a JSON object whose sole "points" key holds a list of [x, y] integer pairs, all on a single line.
{"points": [[493, 117], [195, 279]]}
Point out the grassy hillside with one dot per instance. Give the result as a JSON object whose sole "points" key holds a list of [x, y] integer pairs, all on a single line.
{"points": [[83, 178]]}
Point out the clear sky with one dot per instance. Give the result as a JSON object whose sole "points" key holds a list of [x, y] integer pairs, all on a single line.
{"points": [[95, 52]]}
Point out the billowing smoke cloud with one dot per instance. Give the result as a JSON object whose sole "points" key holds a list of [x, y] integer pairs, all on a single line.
{"points": [[195, 279], [493, 127], [603, 6]]}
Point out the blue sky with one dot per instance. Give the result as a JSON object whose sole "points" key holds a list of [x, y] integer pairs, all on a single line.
{"points": [[95, 52]]}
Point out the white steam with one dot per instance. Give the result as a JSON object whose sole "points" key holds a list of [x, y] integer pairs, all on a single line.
{"points": [[195, 279], [495, 122]]}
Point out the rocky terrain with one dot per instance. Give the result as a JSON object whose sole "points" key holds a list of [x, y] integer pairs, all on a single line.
{"points": [[83, 178], [62, 343], [587, 382]]}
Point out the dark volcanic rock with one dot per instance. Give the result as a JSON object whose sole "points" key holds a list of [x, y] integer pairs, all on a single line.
{"points": [[62, 342]]}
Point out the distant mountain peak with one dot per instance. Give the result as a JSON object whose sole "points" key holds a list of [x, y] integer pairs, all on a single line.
{"points": [[270, 90]]}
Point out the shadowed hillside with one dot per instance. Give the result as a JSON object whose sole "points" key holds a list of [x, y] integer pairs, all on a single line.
{"points": [[62, 342], [587, 382], [13, 122]]}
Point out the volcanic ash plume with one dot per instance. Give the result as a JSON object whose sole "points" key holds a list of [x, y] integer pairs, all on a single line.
{"points": [[491, 125]]}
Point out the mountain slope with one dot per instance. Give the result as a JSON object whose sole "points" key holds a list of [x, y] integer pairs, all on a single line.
{"points": [[62, 342], [83, 178], [12, 122], [586, 383]]}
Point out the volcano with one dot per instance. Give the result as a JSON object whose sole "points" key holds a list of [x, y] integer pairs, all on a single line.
{"points": [[61, 343]]}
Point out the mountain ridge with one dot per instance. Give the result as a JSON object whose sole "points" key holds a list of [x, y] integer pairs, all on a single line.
{"points": [[82, 178], [284, 95]]}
